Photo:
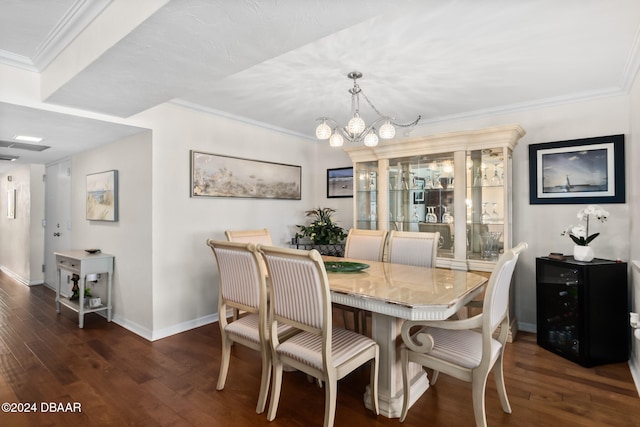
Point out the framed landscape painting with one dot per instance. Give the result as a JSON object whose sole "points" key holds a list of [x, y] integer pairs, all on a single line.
{"points": [[214, 175], [102, 196], [589, 170]]}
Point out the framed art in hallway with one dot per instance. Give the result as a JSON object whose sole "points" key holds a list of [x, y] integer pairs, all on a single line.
{"points": [[589, 170], [102, 196], [215, 175]]}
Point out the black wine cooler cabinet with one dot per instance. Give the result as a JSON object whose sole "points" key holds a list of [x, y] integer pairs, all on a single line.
{"points": [[583, 309]]}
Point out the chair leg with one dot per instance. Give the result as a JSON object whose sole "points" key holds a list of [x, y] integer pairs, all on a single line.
{"points": [[264, 382], [502, 390], [224, 362], [363, 314], [478, 386], [331, 392], [434, 378], [404, 361], [275, 389], [344, 318], [374, 381]]}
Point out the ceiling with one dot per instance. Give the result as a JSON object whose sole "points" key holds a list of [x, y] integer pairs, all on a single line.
{"points": [[283, 63]]}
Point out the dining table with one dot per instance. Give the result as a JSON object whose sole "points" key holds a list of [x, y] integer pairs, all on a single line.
{"points": [[394, 293]]}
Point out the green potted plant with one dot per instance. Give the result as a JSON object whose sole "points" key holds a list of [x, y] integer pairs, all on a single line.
{"points": [[322, 230]]}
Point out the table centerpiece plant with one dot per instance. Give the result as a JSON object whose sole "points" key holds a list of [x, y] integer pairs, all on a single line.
{"points": [[580, 233], [322, 230]]}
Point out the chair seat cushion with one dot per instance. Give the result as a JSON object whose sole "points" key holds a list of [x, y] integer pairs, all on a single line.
{"points": [[307, 348], [247, 327], [459, 347]]}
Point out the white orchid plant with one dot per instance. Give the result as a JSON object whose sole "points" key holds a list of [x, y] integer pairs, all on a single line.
{"points": [[580, 233]]}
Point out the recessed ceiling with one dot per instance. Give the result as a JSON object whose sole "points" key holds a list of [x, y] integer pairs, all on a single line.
{"points": [[284, 63]]}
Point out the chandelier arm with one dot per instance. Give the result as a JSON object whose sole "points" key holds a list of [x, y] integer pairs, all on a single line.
{"points": [[406, 125], [359, 137], [413, 123]]}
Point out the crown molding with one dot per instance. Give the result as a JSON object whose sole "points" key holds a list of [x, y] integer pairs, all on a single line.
{"points": [[524, 106], [18, 61], [632, 65], [203, 109], [77, 18]]}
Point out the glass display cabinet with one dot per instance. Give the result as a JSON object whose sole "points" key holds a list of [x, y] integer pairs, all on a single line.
{"points": [[458, 184]]}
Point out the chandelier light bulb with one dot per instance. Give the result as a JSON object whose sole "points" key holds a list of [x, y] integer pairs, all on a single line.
{"points": [[371, 139], [356, 124], [336, 140], [387, 131], [323, 131]]}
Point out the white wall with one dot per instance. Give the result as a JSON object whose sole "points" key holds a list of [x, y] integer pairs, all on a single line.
{"points": [[22, 247], [540, 225], [129, 239], [184, 273]]}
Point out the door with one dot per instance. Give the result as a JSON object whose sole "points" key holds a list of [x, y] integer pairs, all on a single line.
{"points": [[57, 220]]}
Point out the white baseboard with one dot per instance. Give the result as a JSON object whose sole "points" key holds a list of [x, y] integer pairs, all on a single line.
{"points": [[153, 335], [21, 279]]}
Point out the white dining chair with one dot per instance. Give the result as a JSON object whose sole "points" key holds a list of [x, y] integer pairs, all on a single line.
{"points": [[259, 236], [243, 287], [366, 245], [466, 349], [301, 299], [413, 248]]}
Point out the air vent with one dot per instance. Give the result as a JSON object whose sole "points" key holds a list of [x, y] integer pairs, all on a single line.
{"points": [[8, 158], [23, 146]]}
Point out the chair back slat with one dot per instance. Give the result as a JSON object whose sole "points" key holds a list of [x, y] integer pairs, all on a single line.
{"points": [[298, 294], [239, 274]]}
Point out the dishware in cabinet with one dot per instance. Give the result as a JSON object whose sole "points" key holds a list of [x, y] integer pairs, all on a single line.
{"points": [[366, 199], [488, 203]]}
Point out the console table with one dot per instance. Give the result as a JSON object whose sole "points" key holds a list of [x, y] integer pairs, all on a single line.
{"points": [[83, 264]]}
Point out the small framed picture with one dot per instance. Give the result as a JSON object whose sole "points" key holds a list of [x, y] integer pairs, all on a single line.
{"points": [[339, 182], [102, 196]]}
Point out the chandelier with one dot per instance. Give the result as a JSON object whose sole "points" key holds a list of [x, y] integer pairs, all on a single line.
{"points": [[356, 129]]}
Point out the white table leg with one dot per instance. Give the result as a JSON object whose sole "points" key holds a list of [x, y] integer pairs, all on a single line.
{"points": [[386, 332]]}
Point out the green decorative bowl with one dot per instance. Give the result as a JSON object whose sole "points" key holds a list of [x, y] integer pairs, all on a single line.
{"points": [[344, 266]]}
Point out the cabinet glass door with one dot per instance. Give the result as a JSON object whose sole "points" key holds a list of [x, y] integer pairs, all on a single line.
{"points": [[421, 192], [367, 195], [485, 204]]}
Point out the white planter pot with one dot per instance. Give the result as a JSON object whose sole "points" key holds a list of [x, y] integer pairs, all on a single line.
{"points": [[583, 253]]}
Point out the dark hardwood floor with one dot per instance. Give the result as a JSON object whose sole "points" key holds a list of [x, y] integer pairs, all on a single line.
{"points": [[120, 379]]}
